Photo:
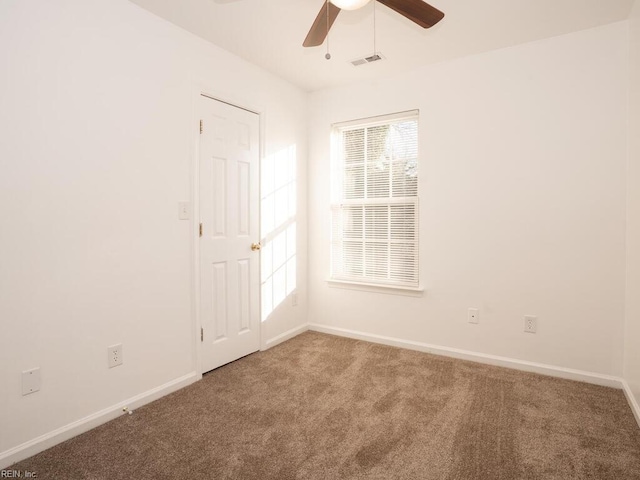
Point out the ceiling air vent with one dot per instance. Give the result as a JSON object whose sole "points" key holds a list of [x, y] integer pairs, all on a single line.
{"points": [[362, 61]]}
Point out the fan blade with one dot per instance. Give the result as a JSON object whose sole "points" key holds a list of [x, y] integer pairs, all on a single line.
{"points": [[320, 27], [416, 10]]}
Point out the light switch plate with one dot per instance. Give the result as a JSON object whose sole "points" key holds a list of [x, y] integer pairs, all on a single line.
{"points": [[31, 381], [184, 210]]}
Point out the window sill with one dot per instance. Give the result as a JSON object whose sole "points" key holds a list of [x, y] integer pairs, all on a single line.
{"points": [[376, 288]]}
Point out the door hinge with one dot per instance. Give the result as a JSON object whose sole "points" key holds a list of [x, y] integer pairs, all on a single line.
{"points": [[201, 127], [201, 334], [200, 230]]}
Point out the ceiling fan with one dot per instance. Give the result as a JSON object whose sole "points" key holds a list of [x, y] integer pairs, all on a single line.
{"points": [[415, 10]]}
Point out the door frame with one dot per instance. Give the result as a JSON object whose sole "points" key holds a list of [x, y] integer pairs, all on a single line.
{"points": [[202, 89]]}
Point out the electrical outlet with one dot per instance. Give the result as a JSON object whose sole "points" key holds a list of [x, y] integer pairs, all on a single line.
{"points": [[530, 323], [473, 315], [114, 355]]}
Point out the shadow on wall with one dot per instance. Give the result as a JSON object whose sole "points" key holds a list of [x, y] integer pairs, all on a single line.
{"points": [[278, 228]]}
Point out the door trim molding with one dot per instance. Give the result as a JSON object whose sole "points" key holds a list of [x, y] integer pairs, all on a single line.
{"points": [[203, 88]]}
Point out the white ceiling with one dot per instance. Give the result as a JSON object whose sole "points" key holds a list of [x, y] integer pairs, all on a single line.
{"points": [[269, 33]]}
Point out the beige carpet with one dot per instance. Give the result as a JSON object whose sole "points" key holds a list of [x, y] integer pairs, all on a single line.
{"points": [[325, 407]]}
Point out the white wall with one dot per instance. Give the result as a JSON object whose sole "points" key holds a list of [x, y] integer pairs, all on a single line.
{"points": [[96, 115], [632, 333], [522, 178]]}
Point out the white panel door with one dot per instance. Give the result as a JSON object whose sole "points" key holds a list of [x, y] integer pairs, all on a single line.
{"points": [[229, 206]]}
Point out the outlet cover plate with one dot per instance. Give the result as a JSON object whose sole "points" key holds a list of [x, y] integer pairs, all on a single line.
{"points": [[31, 381], [473, 315], [530, 323], [114, 355]]}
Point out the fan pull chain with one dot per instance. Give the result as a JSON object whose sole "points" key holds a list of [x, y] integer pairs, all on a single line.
{"points": [[328, 55]]}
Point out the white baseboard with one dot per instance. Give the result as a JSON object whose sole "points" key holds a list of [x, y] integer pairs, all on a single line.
{"points": [[283, 337], [550, 370], [48, 440], [635, 408]]}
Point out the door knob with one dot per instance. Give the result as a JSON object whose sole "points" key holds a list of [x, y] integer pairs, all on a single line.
{"points": [[256, 246]]}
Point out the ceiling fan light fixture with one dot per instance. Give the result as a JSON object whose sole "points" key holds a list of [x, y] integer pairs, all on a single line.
{"points": [[418, 11], [349, 4]]}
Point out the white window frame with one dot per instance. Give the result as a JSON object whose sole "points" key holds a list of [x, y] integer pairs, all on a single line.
{"points": [[338, 201]]}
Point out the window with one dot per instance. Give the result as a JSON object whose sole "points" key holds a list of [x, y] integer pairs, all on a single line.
{"points": [[374, 231]]}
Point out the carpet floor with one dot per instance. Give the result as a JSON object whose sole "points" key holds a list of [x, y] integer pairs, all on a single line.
{"points": [[326, 407]]}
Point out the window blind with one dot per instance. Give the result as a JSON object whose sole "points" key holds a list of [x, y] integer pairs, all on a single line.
{"points": [[375, 218]]}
